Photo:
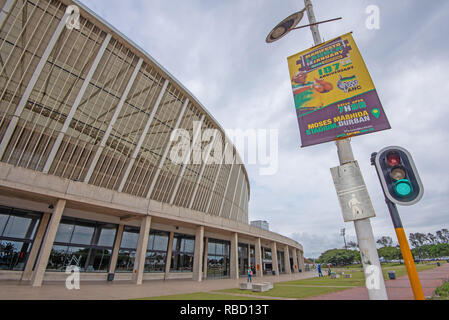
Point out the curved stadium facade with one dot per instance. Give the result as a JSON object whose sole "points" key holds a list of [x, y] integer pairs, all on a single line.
{"points": [[85, 174]]}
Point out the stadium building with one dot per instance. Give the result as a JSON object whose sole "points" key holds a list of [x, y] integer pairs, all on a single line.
{"points": [[86, 178]]}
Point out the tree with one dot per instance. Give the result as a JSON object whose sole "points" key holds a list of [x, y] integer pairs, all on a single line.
{"points": [[339, 257], [440, 236], [413, 240], [385, 241], [432, 239], [352, 244], [443, 236], [390, 253], [417, 239]]}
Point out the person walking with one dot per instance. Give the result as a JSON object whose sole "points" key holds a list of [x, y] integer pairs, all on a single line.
{"points": [[320, 274], [250, 274]]}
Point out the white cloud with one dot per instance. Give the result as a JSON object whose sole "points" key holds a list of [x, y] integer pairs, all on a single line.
{"points": [[217, 50]]}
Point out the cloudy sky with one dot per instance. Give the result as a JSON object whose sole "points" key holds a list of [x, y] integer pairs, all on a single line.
{"points": [[217, 50]]}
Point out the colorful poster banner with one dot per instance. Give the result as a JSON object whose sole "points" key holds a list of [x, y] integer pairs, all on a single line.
{"points": [[334, 94]]}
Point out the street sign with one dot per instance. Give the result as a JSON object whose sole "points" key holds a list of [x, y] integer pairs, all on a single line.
{"points": [[334, 94], [353, 196]]}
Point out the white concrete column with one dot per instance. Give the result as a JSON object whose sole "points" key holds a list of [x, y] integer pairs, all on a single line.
{"points": [[301, 260], [28, 272], [287, 266], [115, 250], [26, 94], [295, 261], [274, 257], [249, 256], [139, 262], [259, 264], [44, 254], [234, 256], [198, 255], [205, 262], [169, 253]]}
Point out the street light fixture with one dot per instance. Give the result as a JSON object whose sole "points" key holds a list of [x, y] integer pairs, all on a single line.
{"points": [[289, 24]]}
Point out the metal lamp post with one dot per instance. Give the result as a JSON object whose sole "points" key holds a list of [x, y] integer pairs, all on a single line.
{"points": [[371, 265]]}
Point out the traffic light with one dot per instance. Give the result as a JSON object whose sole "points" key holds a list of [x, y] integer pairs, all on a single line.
{"points": [[398, 176]]}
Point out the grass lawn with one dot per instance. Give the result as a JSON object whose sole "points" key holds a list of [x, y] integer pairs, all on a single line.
{"points": [[301, 289], [442, 293], [202, 296], [285, 291]]}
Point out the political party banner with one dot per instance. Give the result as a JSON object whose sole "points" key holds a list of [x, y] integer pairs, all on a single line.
{"points": [[334, 94]]}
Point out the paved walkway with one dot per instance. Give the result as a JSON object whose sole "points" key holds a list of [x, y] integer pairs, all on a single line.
{"points": [[13, 290], [398, 289]]}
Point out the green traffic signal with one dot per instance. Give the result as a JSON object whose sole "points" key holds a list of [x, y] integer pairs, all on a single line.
{"points": [[398, 175], [403, 188]]}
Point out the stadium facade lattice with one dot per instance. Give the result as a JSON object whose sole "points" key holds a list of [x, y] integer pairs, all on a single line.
{"points": [[86, 178]]}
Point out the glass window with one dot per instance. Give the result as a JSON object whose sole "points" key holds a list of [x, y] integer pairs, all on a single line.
{"points": [[125, 260], [3, 220], [64, 233], [130, 238], [160, 242], [107, 236], [211, 248], [82, 235], [155, 261], [175, 243], [188, 245], [219, 249], [243, 259], [13, 255], [84, 244], [267, 255], [182, 253], [218, 265], [98, 260], [156, 255], [17, 227], [57, 258], [76, 256]]}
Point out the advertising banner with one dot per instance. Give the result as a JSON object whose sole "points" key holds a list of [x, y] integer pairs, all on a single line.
{"points": [[334, 95]]}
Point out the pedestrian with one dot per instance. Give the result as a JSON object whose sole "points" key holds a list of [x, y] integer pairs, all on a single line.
{"points": [[250, 274], [329, 271], [320, 274]]}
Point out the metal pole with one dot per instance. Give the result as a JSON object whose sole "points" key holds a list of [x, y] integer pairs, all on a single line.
{"points": [[403, 243], [406, 252], [363, 227]]}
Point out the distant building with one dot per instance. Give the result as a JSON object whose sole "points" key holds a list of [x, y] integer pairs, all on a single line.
{"points": [[261, 224]]}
